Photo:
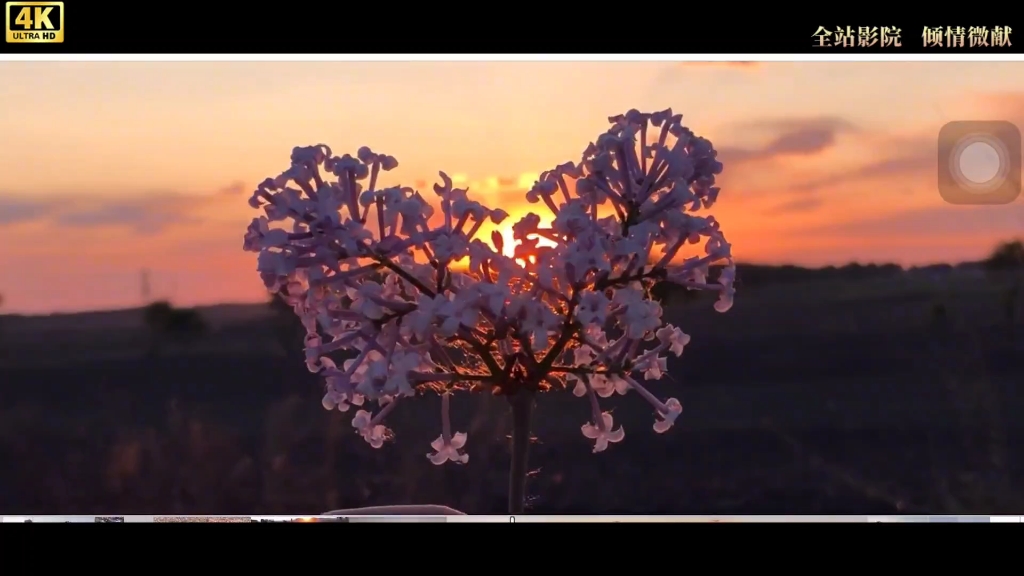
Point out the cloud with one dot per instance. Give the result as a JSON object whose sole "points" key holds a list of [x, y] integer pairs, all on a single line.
{"points": [[770, 125], [147, 214], [905, 157], [795, 206], [911, 163], [17, 210], [153, 213], [790, 137], [236, 188], [944, 220]]}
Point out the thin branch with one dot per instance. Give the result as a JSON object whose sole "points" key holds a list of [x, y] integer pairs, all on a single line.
{"points": [[483, 352]]}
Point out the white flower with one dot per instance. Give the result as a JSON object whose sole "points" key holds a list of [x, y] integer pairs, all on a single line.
{"points": [[422, 303], [727, 294], [260, 236], [423, 320], [449, 451], [604, 386], [341, 400], [673, 338], [340, 392], [602, 432], [362, 300], [446, 446], [278, 263], [653, 367], [673, 408], [459, 313], [397, 380], [593, 308], [374, 434]]}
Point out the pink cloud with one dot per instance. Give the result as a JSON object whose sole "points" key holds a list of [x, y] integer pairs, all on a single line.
{"points": [[789, 137], [148, 213]]}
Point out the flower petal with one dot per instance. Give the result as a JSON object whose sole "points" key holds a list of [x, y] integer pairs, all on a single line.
{"points": [[580, 390], [459, 440], [437, 444], [361, 419], [674, 406], [329, 402]]}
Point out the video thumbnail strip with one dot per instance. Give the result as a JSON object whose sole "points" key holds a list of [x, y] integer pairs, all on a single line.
{"points": [[351, 519], [203, 519]]}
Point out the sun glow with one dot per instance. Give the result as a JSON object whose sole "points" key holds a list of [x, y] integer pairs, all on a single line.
{"points": [[509, 242]]}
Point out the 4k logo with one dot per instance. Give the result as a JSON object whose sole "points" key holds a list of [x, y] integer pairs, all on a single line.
{"points": [[35, 22]]}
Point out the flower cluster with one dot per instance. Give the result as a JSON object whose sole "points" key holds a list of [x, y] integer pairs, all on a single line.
{"points": [[417, 300]]}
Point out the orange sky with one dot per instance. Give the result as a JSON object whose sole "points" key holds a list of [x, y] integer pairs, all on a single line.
{"points": [[111, 168]]}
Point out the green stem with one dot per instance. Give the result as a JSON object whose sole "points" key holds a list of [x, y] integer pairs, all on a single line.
{"points": [[522, 405]]}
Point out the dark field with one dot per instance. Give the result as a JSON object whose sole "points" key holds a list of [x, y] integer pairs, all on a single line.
{"points": [[901, 394]]}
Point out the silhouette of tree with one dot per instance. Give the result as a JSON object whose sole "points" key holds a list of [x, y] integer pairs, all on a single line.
{"points": [[165, 322], [1006, 262], [187, 325], [1008, 255], [157, 316]]}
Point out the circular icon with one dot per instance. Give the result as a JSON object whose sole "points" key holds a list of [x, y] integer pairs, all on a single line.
{"points": [[979, 163]]}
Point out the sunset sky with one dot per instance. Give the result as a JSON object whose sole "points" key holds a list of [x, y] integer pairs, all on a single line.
{"points": [[111, 168]]}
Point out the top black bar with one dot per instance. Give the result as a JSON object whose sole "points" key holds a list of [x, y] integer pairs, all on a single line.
{"points": [[297, 27]]}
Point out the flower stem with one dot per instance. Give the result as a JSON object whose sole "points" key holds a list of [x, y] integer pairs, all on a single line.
{"points": [[522, 405]]}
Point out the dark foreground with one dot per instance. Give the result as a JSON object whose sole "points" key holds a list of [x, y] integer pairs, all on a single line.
{"points": [[884, 397]]}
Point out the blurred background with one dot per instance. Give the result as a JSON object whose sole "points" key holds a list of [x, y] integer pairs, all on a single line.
{"points": [[872, 362]]}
